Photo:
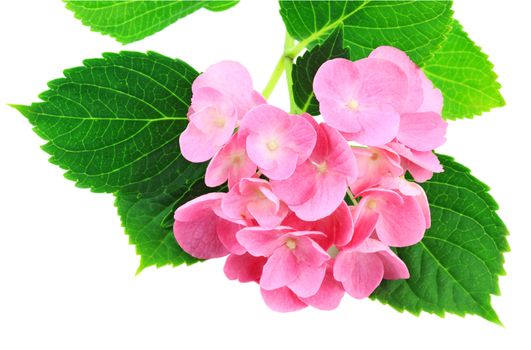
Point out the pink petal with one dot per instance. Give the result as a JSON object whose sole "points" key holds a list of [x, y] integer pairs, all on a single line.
{"points": [[299, 187], [198, 208], [421, 165], [364, 220], [432, 97], [232, 80], [280, 269], [338, 225], [374, 165], [307, 250], [308, 281], [244, 268], [329, 194], [282, 300], [231, 162], [378, 126], [412, 71], [195, 227], [329, 295], [303, 136], [384, 83], [394, 268], [335, 84], [359, 273], [338, 155], [196, 146], [422, 131], [226, 231], [401, 225], [419, 173], [259, 241]]}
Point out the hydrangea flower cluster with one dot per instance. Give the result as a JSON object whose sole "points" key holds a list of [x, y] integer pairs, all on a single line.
{"points": [[312, 209]]}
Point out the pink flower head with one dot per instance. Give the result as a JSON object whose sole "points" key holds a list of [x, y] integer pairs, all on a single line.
{"points": [[197, 228], [361, 269], [294, 259], [209, 127], [277, 141], [230, 163], [233, 81], [422, 96], [318, 186], [253, 199], [362, 99], [374, 164], [399, 218]]}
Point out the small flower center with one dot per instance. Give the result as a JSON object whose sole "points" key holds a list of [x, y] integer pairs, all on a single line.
{"points": [[291, 244], [372, 204], [353, 105], [332, 251], [375, 156], [321, 167], [219, 121], [272, 145], [236, 159]]}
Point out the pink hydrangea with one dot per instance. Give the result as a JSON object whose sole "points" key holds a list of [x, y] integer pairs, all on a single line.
{"points": [[220, 98], [317, 186], [362, 99], [308, 216], [277, 141]]}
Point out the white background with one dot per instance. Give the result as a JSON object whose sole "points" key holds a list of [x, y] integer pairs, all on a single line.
{"points": [[67, 272]]}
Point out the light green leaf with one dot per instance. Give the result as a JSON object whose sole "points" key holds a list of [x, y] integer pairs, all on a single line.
{"points": [[131, 20], [307, 65], [455, 267], [114, 125], [416, 27], [464, 75]]}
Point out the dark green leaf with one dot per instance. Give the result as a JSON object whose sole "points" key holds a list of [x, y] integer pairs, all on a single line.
{"points": [[416, 27], [307, 65], [464, 75], [132, 20], [455, 267], [148, 218]]}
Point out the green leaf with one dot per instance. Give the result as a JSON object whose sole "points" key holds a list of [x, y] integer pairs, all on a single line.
{"points": [[464, 75], [455, 267], [307, 65], [416, 27], [131, 20], [114, 125], [148, 218]]}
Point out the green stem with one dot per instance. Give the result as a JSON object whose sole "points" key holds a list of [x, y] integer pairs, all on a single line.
{"points": [[288, 67], [351, 196], [275, 76]]}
